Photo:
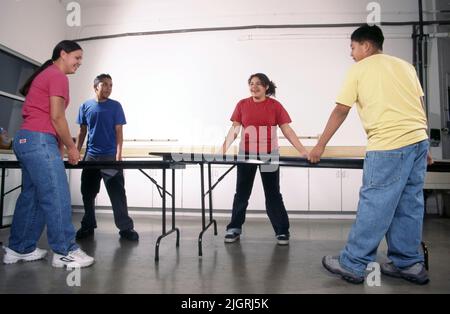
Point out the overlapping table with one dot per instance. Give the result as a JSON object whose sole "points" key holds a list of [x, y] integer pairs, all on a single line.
{"points": [[288, 160], [141, 165]]}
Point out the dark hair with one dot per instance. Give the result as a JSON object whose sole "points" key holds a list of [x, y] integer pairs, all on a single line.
{"points": [[100, 78], [265, 82], [66, 45], [373, 34]]}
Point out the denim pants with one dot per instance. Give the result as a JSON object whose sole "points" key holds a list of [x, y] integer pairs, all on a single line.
{"points": [[115, 186], [45, 196], [390, 204], [274, 200]]}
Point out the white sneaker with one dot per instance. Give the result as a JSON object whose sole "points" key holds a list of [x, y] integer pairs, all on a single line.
{"points": [[74, 259], [12, 257]]}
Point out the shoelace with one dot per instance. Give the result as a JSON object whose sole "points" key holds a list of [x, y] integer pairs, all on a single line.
{"points": [[78, 253]]}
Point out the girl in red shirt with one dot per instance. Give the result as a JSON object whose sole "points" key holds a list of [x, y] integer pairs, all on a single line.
{"points": [[257, 118]]}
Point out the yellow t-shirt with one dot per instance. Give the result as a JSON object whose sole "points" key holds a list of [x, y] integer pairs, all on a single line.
{"points": [[387, 93]]}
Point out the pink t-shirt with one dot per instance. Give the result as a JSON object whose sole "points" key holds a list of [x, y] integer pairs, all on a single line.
{"points": [[259, 121], [36, 109]]}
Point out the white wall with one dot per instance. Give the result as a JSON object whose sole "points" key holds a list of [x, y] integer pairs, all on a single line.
{"points": [[185, 86], [104, 17], [32, 27]]}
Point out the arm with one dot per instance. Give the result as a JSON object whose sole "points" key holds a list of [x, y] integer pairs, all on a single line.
{"points": [[81, 136], [337, 117], [430, 160], [58, 118], [119, 140], [231, 136], [289, 133]]}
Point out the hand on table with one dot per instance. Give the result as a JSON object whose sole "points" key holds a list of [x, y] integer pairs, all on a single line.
{"points": [[315, 154]]}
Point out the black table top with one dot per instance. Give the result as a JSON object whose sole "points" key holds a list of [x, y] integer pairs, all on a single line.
{"points": [[174, 161], [126, 164], [286, 161]]}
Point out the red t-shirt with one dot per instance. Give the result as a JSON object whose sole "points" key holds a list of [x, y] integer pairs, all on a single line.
{"points": [[36, 109], [259, 124]]}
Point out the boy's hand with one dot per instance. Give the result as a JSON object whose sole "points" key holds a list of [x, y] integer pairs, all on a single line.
{"points": [[430, 160], [315, 154]]}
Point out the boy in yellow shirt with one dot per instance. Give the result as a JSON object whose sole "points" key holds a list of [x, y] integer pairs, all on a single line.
{"points": [[388, 95]]}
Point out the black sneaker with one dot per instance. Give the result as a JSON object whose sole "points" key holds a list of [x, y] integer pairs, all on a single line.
{"points": [[332, 264], [231, 237], [129, 235], [283, 239], [415, 273], [83, 233]]}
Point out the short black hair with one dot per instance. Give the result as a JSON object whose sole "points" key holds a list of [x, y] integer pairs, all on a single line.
{"points": [[373, 34], [100, 79]]}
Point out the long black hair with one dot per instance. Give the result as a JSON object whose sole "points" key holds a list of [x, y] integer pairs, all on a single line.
{"points": [[66, 45], [265, 82]]}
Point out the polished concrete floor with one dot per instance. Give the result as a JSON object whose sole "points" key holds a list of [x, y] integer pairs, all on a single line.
{"points": [[254, 265]]}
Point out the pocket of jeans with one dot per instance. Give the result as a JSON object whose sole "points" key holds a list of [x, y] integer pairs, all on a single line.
{"points": [[26, 147], [386, 168]]}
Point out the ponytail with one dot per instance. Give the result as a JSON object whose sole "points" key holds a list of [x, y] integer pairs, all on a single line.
{"points": [[66, 45], [26, 87], [271, 90]]}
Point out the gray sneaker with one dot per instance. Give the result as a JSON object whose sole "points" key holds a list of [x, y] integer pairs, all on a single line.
{"points": [[415, 273], [231, 237], [331, 263], [283, 239]]}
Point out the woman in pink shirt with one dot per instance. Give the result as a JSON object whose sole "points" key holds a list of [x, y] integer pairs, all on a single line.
{"points": [[39, 146], [259, 116]]}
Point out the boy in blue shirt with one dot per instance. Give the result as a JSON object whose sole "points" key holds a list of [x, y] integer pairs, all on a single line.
{"points": [[102, 119]]}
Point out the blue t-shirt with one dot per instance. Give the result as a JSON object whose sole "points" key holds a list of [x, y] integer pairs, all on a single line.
{"points": [[101, 120]]}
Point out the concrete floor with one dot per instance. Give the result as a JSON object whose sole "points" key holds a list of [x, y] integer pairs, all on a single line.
{"points": [[255, 265]]}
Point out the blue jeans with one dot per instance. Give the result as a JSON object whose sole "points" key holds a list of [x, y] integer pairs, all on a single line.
{"points": [[45, 196], [390, 204]]}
